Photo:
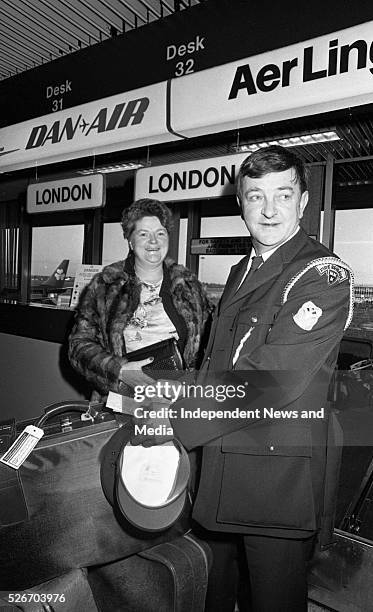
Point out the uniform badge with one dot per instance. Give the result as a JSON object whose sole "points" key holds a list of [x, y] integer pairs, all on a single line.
{"points": [[333, 272], [307, 316]]}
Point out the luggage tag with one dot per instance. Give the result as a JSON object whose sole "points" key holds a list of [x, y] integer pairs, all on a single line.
{"points": [[121, 403], [17, 454]]}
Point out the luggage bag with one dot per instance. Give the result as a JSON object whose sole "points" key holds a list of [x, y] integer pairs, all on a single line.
{"points": [[169, 577], [70, 523]]}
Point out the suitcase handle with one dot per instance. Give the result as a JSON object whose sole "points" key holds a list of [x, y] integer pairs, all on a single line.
{"points": [[83, 406]]}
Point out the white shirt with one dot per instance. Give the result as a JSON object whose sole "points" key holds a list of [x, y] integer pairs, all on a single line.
{"points": [[265, 255], [150, 322]]}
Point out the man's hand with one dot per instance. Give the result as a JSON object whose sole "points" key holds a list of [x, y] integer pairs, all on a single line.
{"points": [[131, 373], [152, 432]]}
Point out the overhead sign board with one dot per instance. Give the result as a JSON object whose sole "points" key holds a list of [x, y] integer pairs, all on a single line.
{"points": [[66, 194], [239, 245], [203, 178], [180, 43], [327, 73], [133, 119], [323, 74]]}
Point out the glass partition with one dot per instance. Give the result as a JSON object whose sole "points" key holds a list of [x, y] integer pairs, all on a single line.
{"points": [[214, 269], [55, 256], [114, 246]]}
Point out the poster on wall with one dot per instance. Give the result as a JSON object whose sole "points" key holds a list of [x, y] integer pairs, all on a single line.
{"points": [[84, 275]]}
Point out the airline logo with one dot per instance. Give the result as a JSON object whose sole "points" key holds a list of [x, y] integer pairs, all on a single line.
{"points": [[2, 152], [305, 67], [105, 120], [327, 73], [59, 274], [119, 122]]}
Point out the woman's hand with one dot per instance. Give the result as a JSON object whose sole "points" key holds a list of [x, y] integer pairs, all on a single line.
{"points": [[132, 374]]}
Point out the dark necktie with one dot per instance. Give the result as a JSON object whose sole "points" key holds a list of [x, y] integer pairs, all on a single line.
{"points": [[256, 262]]}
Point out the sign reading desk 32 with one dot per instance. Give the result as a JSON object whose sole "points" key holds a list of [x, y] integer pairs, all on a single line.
{"points": [[66, 194], [181, 54]]}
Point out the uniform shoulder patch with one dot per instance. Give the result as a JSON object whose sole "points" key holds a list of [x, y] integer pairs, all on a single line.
{"points": [[334, 272]]}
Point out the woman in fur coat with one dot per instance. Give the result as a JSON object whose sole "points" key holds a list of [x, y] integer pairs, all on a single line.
{"points": [[133, 303]]}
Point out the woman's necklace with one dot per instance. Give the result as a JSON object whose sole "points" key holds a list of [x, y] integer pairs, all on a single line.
{"points": [[151, 286], [151, 298]]}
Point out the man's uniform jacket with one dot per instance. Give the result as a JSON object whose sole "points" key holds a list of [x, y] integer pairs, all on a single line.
{"points": [[271, 476]]}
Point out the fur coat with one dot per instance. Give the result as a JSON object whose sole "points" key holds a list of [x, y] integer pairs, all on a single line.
{"points": [[96, 343]]}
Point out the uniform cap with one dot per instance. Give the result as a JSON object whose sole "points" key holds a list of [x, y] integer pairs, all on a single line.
{"points": [[147, 485]]}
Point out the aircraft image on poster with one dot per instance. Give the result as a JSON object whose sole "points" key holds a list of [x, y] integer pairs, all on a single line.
{"points": [[47, 291]]}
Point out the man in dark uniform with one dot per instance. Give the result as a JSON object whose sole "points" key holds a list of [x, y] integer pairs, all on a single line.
{"points": [[284, 309]]}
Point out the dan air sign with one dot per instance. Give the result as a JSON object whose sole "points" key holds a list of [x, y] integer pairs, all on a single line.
{"points": [[327, 73], [123, 121], [323, 74], [203, 178], [66, 194]]}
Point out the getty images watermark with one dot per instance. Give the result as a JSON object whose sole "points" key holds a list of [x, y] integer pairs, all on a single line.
{"points": [[163, 394]]}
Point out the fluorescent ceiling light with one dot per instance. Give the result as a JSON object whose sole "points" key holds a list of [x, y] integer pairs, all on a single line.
{"points": [[354, 183], [112, 168], [292, 141]]}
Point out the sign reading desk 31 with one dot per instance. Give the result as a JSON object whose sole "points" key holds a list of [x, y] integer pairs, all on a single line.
{"points": [[56, 92], [66, 194]]}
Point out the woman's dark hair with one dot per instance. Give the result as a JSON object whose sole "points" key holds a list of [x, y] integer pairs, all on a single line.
{"points": [[145, 208], [272, 159]]}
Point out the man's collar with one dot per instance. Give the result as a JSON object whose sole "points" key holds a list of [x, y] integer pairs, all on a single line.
{"points": [[268, 254]]}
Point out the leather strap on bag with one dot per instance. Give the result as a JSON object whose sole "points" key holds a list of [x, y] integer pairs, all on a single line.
{"points": [[91, 409], [13, 506]]}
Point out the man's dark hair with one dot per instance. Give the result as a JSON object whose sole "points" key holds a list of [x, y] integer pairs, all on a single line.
{"points": [[272, 159], [145, 207]]}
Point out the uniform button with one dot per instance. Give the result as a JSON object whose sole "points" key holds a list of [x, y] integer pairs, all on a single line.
{"points": [[271, 448], [254, 319]]}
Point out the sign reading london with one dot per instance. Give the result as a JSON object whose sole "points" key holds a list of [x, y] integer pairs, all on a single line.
{"points": [[66, 194], [214, 177]]}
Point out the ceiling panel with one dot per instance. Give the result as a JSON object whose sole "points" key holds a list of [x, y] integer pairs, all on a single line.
{"points": [[33, 32]]}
